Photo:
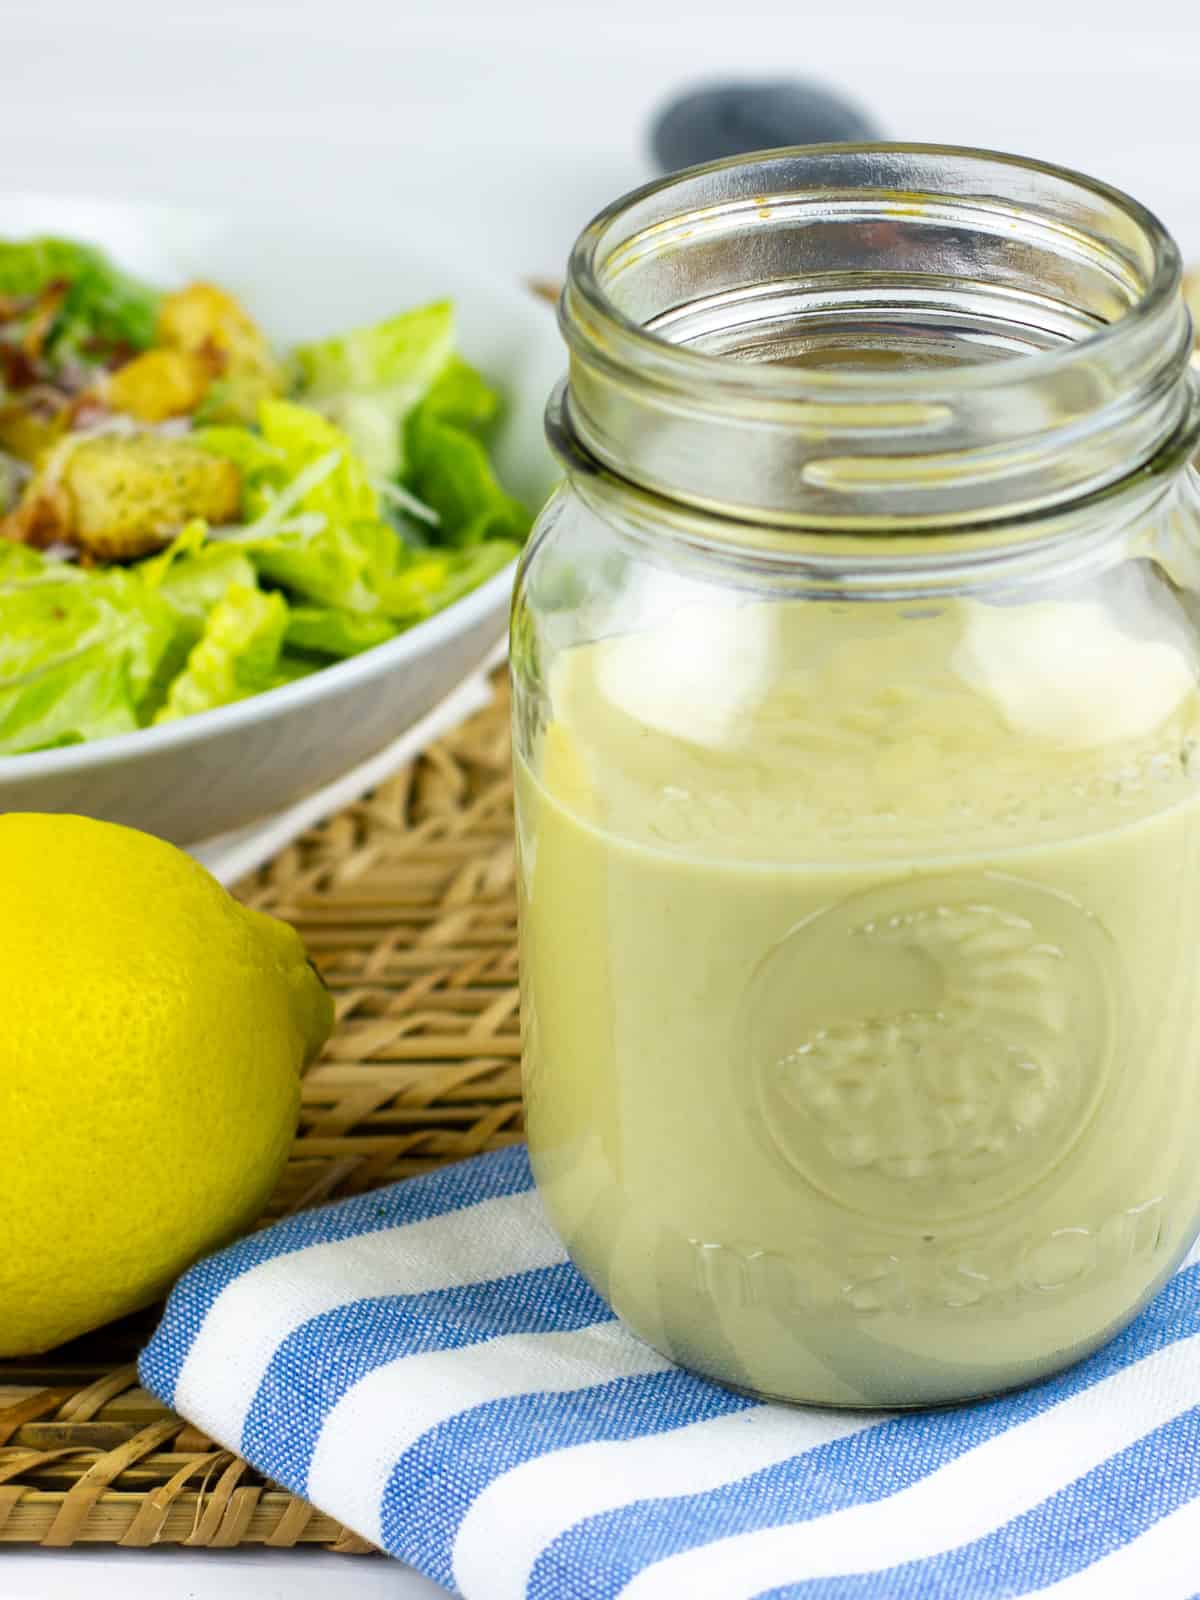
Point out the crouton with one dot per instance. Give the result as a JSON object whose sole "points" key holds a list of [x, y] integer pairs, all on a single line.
{"points": [[159, 384], [205, 322], [119, 496]]}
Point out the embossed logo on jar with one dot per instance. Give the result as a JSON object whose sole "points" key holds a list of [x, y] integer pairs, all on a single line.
{"points": [[932, 1048], [859, 1275]]}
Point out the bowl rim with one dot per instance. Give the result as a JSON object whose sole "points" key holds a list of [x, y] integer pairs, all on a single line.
{"points": [[338, 676]]}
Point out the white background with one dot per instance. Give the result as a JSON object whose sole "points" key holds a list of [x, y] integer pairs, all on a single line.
{"points": [[499, 129], [516, 120]]}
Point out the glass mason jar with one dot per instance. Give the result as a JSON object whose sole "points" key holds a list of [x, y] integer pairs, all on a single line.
{"points": [[856, 712]]}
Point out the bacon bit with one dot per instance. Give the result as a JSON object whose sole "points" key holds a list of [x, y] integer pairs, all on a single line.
{"points": [[17, 369], [49, 304], [120, 353], [109, 353]]}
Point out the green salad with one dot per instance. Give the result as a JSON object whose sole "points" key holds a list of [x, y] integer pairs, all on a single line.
{"points": [[189, 517]]}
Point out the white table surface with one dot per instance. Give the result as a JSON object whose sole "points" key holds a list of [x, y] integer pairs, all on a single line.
{"points": [[500, 128]]}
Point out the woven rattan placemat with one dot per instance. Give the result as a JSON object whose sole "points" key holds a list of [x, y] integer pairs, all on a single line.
{"points": [[405, 901]]}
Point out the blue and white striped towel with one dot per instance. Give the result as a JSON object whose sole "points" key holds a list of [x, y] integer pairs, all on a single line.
{"points": [[424, 1363]]}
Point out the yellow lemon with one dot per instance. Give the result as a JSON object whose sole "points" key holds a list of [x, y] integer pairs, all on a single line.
{"points": [[152, 1032]]}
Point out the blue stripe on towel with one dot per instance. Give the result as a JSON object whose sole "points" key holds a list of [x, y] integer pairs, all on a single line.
{"points": [[1097, 1514], [434, 1483], [323, 1359], [501, 1172]]}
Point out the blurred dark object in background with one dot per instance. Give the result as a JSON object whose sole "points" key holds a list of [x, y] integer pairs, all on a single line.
{"points": [[729, 119]]}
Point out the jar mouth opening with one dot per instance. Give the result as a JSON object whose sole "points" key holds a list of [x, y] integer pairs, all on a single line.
{"points": [[1126, 242]]}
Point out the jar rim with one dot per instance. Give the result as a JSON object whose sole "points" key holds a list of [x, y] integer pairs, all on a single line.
{"points": [[584, 278], [1032, 317]]}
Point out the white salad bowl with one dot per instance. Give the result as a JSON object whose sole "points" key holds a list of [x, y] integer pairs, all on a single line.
{"points": [[223, 769]]}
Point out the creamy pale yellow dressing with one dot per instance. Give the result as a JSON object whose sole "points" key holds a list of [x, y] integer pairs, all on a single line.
{"points": [[860, 962]]}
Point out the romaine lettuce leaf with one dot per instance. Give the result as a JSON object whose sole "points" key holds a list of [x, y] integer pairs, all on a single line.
{"points": [[461, 396], [434, 579], [237, 654], [368, 380], [249, 451], [326, 564], [327, 631], [22, 561], [193, 573], [193, 585], [291, 668], [449, 469], [428, 582], [302, 436], [413, 346], [293, 439], [65, 703], [313, 519], [79, 651], [103, 304]]}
